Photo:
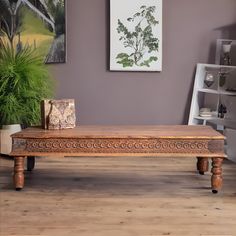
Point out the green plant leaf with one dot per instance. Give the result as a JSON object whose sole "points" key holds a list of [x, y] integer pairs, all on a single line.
{"points": [[141, 41], [147, 62], [24, 82]]}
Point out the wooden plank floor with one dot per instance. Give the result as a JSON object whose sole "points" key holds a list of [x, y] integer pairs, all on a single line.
{"points": [[117, 197]]}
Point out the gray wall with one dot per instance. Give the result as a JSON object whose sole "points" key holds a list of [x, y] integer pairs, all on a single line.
{"points": [[190, 28]]}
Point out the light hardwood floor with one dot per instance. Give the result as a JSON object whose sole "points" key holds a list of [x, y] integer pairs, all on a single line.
{"points": [[117, 197]]}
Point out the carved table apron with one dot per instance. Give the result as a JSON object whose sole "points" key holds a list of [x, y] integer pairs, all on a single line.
{"points": [[177, 141]]}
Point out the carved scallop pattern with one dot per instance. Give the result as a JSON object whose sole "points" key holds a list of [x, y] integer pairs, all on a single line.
{"points": [[118, 146]]}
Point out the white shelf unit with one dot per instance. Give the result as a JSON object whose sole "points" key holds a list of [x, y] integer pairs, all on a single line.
{"points": [[201, 91], [213, 91], [210, 97]]}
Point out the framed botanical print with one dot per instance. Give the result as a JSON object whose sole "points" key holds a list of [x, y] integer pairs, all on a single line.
{"points": [[136, 35]]}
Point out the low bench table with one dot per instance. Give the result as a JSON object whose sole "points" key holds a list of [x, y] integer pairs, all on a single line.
{"points": [[179, 141]]}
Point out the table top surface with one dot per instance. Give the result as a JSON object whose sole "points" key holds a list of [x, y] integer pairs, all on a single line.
{"points": [[148, 131]]}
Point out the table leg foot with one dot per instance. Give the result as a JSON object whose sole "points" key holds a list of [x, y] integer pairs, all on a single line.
{"points": [[30, 163], [202, 165], [216, 179], [18, 189], [19, 173]]}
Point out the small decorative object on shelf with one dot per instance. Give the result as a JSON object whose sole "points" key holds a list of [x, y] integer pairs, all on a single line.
{"points": [[225, 52], [58, 114], [222, 110], [205, 112], [226, 58], [222, 76], [209, 79], [231, 89]]}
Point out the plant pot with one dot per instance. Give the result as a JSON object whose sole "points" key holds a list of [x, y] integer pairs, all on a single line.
{"points": [[5, 138]]}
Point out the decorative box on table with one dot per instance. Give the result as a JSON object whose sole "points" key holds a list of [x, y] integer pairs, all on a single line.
{"points": [[58, 114]]}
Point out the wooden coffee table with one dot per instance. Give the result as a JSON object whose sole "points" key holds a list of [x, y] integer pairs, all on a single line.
{"points": [[180, 141]]}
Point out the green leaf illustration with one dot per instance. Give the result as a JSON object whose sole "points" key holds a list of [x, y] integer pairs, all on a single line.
{"points": [[141, 41]]}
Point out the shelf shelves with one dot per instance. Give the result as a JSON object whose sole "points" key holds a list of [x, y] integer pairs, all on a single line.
{"points": [[213, 91], [228, 123], [207, 118], [202, 95]]}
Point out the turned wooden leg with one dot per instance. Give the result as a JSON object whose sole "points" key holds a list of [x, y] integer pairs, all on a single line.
{"points": [[19, 172], [30, 163], [216, 179], [202, 165]]}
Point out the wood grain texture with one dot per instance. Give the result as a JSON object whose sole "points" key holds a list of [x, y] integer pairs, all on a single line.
{"points": [[115, 145], [18, 176], [216, 179], [170, 131], [121, 141], [117, 196], [202, 165]]}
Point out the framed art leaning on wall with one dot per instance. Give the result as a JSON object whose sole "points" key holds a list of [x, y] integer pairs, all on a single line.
{"points": [[36, 24], [136, 35]]}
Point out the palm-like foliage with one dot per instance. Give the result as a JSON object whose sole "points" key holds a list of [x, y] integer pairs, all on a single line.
{"points": [[24, 82]]}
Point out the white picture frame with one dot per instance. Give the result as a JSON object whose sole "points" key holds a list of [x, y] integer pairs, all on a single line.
{"points": [[136, 35]]}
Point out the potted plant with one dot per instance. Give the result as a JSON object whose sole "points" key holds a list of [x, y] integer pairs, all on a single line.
{"points": [[24, 82]]}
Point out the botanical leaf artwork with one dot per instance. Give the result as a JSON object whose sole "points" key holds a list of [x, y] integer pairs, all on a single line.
{"points": [[140, 41]]}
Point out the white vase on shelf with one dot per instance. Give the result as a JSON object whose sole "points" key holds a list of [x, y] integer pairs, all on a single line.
{"points": [[226, 58]]}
